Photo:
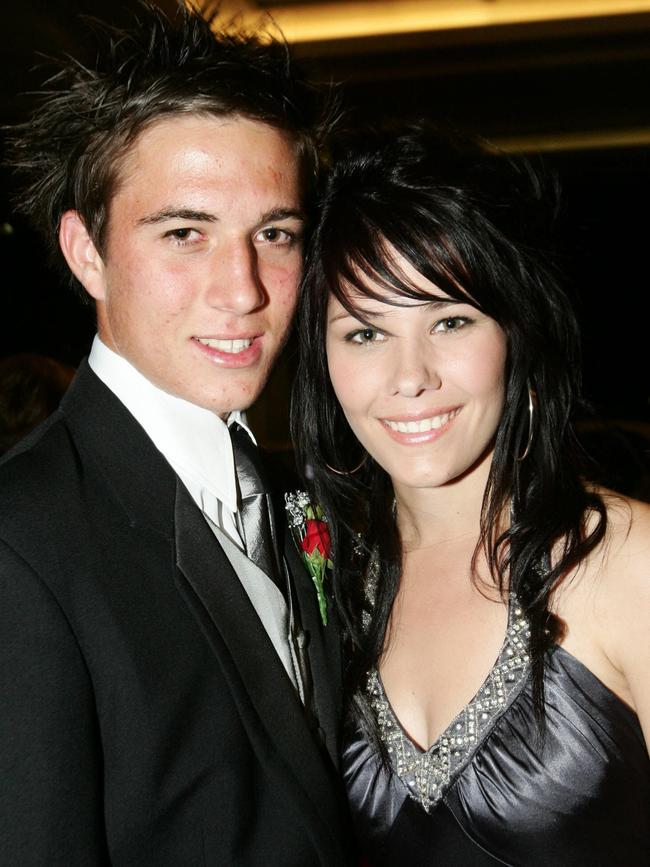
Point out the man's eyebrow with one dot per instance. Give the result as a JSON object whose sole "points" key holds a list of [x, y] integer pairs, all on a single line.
{"points": [[178, 214], [166, 214], [282, 214]]}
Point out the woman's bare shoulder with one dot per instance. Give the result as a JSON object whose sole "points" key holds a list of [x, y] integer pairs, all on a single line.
{"points": [[604, 605], [623, 588], [627, 540]]}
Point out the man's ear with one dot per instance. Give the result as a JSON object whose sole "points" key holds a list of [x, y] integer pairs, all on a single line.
{"points": [[81, 255]]}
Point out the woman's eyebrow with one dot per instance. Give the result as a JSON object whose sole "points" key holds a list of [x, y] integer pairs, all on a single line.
{"points": [[365, 314], [442, 302], [358, 313]]}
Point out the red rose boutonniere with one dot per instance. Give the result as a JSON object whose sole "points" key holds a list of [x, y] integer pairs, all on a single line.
{"points": [[311, 534]]}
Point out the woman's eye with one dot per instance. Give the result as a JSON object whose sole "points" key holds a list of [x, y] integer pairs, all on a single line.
{"points": [[366, 335], [451, 323]]}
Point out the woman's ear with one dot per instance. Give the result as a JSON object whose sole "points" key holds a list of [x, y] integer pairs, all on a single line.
{"points": [[81, 255]]}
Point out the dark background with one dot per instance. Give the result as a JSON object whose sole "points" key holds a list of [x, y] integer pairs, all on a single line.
{"points": [[578, 91]]}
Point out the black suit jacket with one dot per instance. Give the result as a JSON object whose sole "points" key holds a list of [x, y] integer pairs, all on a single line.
{"points": [[145, 718]]}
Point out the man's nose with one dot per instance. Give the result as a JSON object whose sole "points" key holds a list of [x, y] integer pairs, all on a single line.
{"points": [[414, 371], [234, 282]]}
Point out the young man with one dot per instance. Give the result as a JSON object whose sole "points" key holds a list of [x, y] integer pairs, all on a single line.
{"points": [[164, 702]]}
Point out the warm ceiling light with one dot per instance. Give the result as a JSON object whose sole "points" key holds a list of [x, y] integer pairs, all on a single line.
{"points": [[310, 21]]}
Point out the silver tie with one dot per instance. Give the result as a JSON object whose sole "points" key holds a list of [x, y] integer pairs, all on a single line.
{"points": [[256, 512]]}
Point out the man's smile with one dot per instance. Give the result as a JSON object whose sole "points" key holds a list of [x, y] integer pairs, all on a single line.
{"points": [[229, 346]]}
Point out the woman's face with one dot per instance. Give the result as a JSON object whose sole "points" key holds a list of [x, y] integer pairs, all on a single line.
{"points": [[423, 387]]}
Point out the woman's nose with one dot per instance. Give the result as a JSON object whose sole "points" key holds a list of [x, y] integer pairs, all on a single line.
{"points": [[415, 371]]}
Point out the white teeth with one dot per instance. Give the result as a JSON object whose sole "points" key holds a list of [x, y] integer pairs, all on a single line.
{"points": [[230, 346], [422, 426]]}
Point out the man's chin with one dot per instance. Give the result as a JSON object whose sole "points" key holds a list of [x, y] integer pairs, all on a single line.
{"points": [[236, 403], [230, 391]]}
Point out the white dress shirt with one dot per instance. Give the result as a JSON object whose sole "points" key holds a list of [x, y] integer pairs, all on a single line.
{"points": [[197, 445], [193, 440]]}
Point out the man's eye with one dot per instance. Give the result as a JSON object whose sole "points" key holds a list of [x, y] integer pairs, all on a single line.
{"points": [[182, 235], [273, 235]]}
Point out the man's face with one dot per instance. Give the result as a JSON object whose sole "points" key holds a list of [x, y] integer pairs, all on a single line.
{"points": [[199, 277]]}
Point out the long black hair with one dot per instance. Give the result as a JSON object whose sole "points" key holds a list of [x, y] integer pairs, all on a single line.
{"points": [[469, 222]]}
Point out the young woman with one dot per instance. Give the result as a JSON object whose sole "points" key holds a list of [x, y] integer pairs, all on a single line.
{"points": [[496, 607]]}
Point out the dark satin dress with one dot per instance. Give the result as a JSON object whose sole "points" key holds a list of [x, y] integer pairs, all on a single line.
{"points": [[489, 792]]}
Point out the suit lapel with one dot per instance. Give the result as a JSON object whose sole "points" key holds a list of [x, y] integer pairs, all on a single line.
{"points": [[269, 708], [323, 651], [110, 439], [323, 642]]}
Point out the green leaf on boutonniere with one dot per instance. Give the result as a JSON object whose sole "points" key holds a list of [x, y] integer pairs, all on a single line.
{"points": [[311, 534]]}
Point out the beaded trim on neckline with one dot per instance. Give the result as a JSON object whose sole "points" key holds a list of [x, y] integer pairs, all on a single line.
{"points": [[428, 774]]}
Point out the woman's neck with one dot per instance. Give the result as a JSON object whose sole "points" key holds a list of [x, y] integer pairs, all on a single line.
{"points": [[430, 516]]}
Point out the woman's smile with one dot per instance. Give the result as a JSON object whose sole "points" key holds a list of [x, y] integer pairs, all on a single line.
{"points": [[422, 429]]}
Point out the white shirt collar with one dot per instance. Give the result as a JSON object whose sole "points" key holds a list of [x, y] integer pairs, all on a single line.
{"points": [[194, 440]]}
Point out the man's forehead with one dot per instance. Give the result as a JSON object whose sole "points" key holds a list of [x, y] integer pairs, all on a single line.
{"points": [[157, 144], [178, 126], [174, 170]]}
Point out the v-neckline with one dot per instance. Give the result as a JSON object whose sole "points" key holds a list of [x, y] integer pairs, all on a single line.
{"points": [[427, 773]]}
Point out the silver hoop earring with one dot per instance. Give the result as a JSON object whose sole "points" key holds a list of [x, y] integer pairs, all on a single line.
{"points": [[532, 407], [348, 472]]}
